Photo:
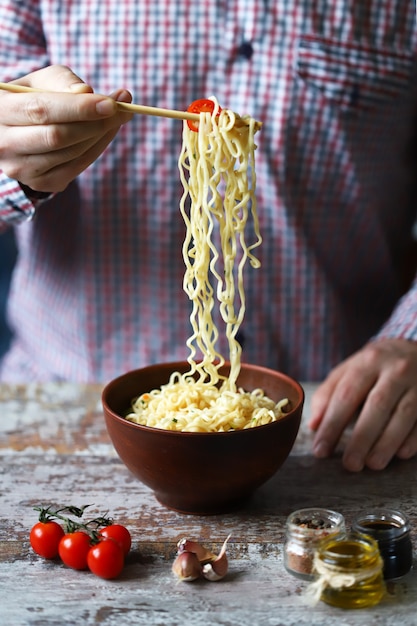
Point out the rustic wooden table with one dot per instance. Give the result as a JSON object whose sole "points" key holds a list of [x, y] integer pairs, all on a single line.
{"points": [[55, 450]]}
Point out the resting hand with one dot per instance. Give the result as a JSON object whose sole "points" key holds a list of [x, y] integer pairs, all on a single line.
{"points": [[47, 140], [378, 387]]}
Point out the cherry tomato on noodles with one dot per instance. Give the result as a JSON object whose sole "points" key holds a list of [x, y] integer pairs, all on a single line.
{"points": [[203, 105]]}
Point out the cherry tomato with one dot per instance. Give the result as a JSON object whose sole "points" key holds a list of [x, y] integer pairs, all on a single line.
{"points": [[203, 105], [73, 549], [119, 534], [106, 559], [45, 537]]}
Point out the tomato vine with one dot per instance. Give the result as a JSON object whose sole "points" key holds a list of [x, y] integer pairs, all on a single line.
{"points": [[98, 544]]}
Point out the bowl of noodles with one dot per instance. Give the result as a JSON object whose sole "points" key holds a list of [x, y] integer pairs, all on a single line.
{"points": [[203, 471], [205, 433]]}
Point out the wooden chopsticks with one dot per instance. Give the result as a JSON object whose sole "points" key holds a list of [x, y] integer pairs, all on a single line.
{"points": [[133, 108], [124, 106]]}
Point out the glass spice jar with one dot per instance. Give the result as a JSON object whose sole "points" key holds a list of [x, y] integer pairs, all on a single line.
{"points": [[391, 529], [305, 529], [349, 571]]}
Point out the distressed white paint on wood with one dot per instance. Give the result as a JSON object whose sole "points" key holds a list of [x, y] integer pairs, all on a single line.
{"points": [[54, 449]]}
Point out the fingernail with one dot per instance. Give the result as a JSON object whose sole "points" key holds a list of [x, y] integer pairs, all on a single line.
{"points": [[106, 107], [321, 450], [121, 95]]}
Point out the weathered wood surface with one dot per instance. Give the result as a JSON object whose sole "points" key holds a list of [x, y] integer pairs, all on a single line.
{"points": [[54, 449]]}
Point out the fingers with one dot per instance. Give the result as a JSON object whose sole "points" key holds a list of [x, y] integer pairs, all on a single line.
{"points": [[28, 109], [336, 403], [379, 429], [55, 78], [47, 139], [399, 437], [376, 388], [408, 448], [46, 108], [83, 155], [36, 150], [72, 168], [72, 100], [321, 399]]}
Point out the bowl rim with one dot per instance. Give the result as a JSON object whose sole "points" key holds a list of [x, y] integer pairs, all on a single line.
{"points": [[175, 433]]}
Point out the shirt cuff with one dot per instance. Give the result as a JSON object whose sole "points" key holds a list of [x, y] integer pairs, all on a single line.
{"points": [[403, 321], [18, 202]]}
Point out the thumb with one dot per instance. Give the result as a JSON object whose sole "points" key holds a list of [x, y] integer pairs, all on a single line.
{"points": [[56, 78]]}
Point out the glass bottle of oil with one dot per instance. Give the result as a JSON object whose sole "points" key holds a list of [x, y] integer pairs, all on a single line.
{"points": [[350, 568]]}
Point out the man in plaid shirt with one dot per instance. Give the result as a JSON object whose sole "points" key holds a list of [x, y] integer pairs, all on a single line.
{"points": [[93, 194]]}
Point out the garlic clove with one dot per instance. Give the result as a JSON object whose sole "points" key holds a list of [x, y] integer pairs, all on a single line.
{"points": [[187, 567], [217, 568], [186, 545]]}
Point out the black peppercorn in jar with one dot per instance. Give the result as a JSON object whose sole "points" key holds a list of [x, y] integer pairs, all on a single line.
{"points": [[391, 530], [305, 529]]}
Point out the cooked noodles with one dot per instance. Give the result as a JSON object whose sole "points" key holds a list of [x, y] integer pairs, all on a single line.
{"points": [[218, 175], [217, 169]]}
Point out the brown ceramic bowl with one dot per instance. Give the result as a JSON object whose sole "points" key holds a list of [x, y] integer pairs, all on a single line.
{"points": [[201, 473]]}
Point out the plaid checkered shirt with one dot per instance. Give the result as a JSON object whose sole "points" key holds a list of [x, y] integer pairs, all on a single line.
{"points": [[97, 288]]}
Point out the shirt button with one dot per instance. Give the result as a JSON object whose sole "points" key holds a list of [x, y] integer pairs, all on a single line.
{"points": [[245, 50]]}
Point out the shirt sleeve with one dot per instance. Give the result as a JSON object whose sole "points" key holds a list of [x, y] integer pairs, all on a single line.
{"points": [[402, 323], [22, 50], [15, 206]]}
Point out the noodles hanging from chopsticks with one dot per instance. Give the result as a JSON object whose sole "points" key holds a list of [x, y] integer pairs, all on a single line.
{"points": [[217, 169]]}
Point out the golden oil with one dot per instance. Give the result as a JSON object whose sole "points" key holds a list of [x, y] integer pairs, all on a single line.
{"points": [[350, 567]]}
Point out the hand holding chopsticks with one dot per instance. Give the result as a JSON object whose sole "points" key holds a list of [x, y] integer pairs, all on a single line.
{"points": [[124, 106], [48, 162]]}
